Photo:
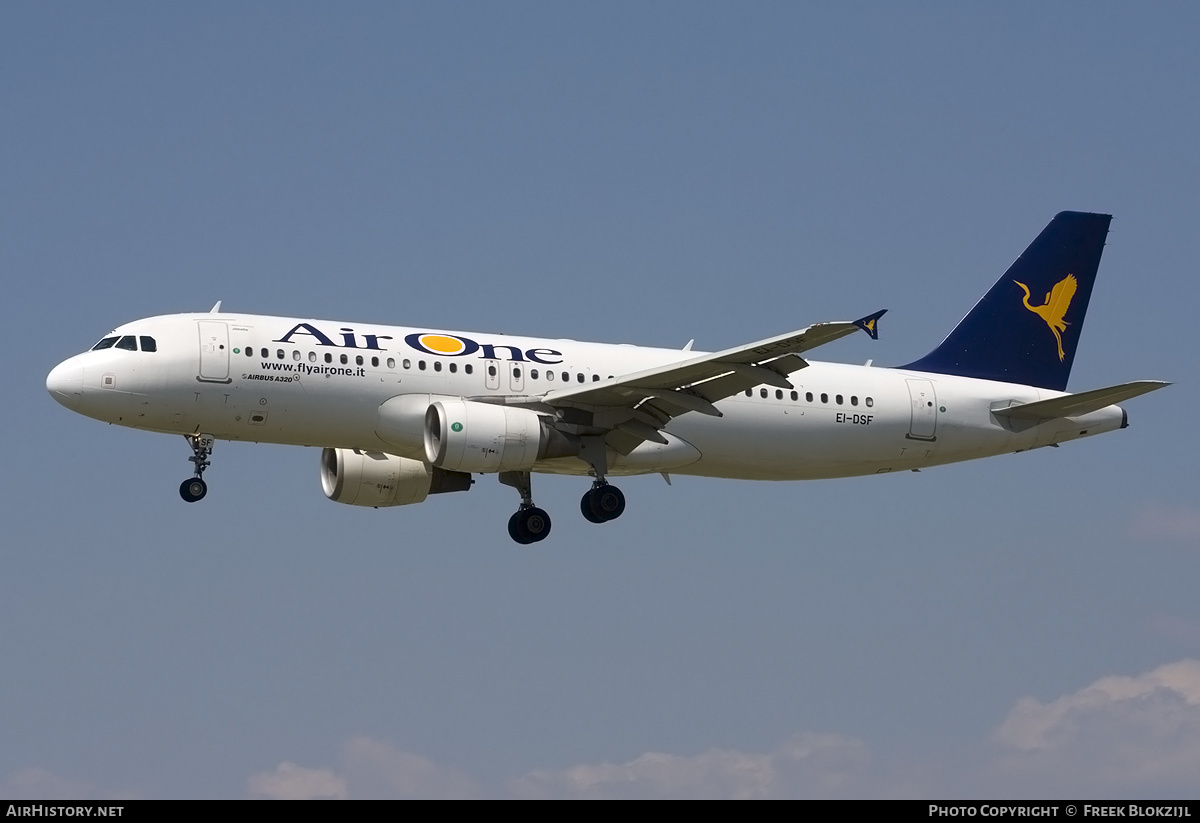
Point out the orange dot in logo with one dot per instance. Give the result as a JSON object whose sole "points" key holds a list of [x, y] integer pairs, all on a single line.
{"points": [[442, 344]]}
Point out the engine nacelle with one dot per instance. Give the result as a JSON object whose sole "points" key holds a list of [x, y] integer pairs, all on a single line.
{"points": [[370, 478], [401, 423], [466, 436]]}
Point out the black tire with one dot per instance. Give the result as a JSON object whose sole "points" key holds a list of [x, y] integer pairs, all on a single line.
{"points": [[606, 503], [585, 508], [193, 490], [516, 529]]}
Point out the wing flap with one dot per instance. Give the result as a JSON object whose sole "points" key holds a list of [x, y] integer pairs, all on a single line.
{"points": [[1074, 405]]}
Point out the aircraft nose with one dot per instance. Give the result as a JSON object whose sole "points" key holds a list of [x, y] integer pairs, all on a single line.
{"points": [[65, 383]]}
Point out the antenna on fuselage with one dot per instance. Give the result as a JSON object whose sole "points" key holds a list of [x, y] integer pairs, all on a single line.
{"points": [[216, 308]]}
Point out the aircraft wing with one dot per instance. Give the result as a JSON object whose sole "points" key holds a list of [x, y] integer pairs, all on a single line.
{"points": [[633, 407], [1073, 405]]}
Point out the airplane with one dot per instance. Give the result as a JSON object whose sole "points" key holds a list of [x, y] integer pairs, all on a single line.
{"points": [[402, 413]]}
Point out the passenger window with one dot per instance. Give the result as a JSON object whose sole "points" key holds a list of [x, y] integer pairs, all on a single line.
{"points": [[749, 392], [870, 402], [854, 400], [533, 374], [795, 395], [566, 377], [453, 368], [421, 365], [808, 397], [128, 342], [106, 343], [437, 365], [779, 394], [391, 362], [148, 343], [824, 397], [762, 393], [407, 363], [266, 353], [468, 369], [516, 373], [344, 359], [358, 361], [375, 362], [312, 357], [838, 399], [491, 371], [595, 378], [249, 351], [279, 353], [550, 375], [328, 357], [579, 377], [295, 354]]}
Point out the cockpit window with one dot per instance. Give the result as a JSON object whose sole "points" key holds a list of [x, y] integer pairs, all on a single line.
{"points": [[128, 342], [106, 343], [148, 343]]}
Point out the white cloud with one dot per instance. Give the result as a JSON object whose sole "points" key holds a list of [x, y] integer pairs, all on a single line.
{"points": [[291, 782], [807, 765], [375, 769], [1131, 735], [370, 769], [1117, 737]]}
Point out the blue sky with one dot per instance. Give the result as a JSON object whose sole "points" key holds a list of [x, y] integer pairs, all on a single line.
{"points": [[642, 173]]}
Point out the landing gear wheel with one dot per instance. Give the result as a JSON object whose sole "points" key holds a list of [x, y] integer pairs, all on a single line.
{"points": [[193, 489], [529, 525], [602, 503], [585, 508]]}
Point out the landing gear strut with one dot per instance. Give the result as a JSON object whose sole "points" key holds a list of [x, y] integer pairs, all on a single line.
{"points": [[194, 488], [529, 524], [602, 502]]}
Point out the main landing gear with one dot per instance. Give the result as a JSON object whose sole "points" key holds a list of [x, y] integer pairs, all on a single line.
{"points": [[529, 524], [194, 488], [602, 502]]}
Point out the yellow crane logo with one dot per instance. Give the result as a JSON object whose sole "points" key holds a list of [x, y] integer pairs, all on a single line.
{"points": [[1055, 308]]}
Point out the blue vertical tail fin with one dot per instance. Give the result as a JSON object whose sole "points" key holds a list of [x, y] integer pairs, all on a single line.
{"points": [[1026, 328]]}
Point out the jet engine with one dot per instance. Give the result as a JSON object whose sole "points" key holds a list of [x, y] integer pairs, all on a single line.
{"points": [[467, 436], [370, 478]]}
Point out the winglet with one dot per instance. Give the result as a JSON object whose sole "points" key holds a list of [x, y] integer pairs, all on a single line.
{"points": [[870, 323], [216, 308]]}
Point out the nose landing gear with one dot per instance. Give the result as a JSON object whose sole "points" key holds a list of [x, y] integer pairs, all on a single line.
{"points": [[194, 488]]}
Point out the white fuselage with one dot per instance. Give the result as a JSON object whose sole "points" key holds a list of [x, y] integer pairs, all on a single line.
{"points": [[321, 383]]}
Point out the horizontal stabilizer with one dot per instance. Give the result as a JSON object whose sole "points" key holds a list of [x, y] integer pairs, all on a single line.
{"points": [[1074, 405]]}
